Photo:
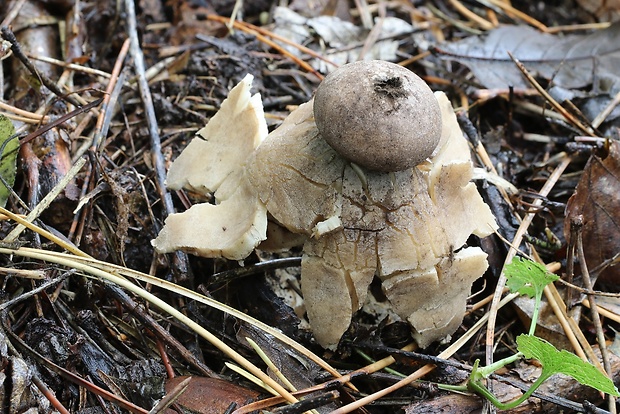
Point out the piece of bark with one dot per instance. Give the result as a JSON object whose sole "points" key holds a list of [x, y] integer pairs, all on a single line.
{"points": [[47, 159]]}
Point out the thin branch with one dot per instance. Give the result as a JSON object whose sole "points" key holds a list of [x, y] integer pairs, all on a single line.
{"points": [[525, 224], [577, 223], [180, 262], [9, 36]]}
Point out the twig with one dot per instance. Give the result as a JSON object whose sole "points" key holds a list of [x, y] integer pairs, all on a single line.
{"points": [[113, 90], [12, 14], [508, 9], [490, 333], [34, 291], [601, 117], [413, 59], [577, 223], [365, 16], [9, 36], [589, 292], [261, 267], [42, 386], [152, 324], [567, 115], [47, 200], [374, 34], [483, 23], [447, 353], [72, 66], [59, 121], [180, 262], [308, 403], [171, 396], [254, 31], [70, 376], [106, 107]]}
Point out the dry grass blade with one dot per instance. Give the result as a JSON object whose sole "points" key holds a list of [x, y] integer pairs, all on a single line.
{"points": [[573, 333], [115, 269], [567, 115], [240, 25], [163, 71], [518, 14], [47, 200], [51, 237], [596, 319], [76, 379], [113, 273], [121, 281], [30, 293], [25, 116], [501, 283], [171, 397], [251, 30], [271, 365], [483, 23], [447, 353], [603, 312], [252, 378]]}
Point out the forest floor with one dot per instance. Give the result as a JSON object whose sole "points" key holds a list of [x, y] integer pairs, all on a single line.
{"points": [[104, 96]]}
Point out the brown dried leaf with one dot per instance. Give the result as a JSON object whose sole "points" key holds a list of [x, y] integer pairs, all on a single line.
{"points": [[573, 61], [209, 395], [597, 199], [604, 10]]}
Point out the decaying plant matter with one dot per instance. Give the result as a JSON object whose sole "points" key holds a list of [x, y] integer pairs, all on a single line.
{"points": [[407, 227]]}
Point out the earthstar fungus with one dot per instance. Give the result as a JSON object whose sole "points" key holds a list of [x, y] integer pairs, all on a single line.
{"points": [[408, 227]]}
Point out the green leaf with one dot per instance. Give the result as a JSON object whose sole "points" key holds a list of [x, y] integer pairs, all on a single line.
{"points": [[554, 362], [9, 145], [527, 277]]}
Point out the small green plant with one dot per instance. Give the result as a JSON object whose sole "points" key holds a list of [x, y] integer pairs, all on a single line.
{"points": [[530, 278]]}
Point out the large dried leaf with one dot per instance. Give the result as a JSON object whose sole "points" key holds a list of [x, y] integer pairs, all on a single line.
{"points": [[572, 61], [210, 395], [597, 199]]}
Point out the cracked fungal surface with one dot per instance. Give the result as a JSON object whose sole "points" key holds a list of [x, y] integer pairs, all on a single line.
{"points": [[409, 227], [401, 226]]}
